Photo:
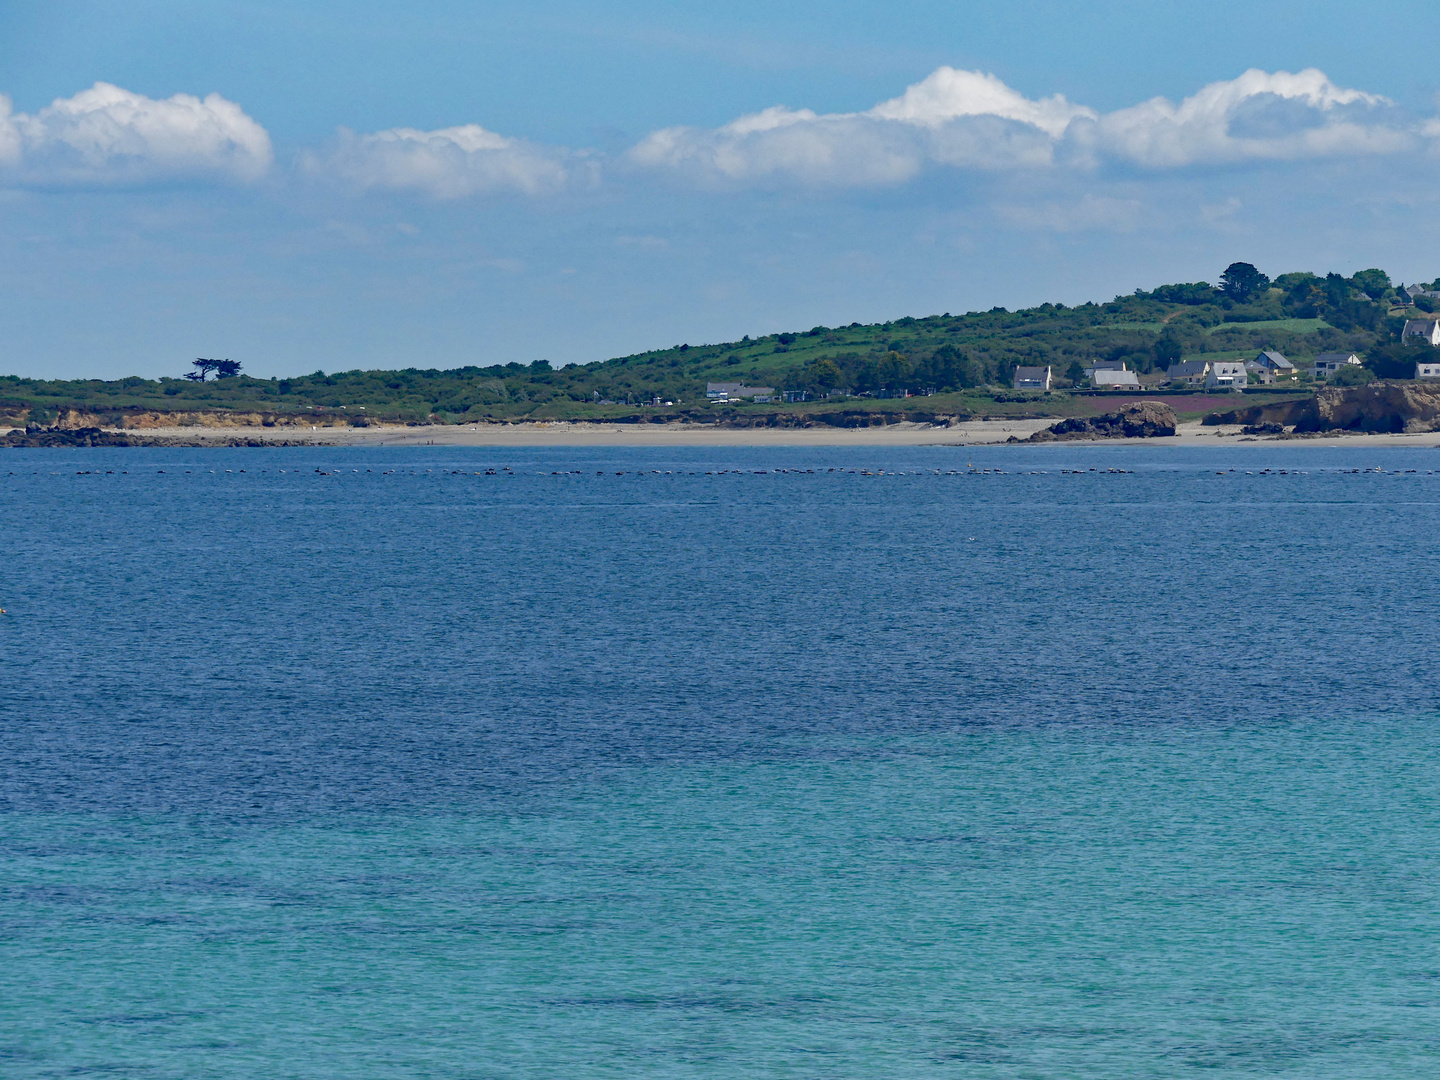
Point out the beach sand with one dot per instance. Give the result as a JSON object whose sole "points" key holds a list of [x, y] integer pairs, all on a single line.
{"points": [[971, 433]]}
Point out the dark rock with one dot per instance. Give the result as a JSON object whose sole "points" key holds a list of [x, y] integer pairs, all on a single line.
{"points": [[1138, 420], [1263, 429]]}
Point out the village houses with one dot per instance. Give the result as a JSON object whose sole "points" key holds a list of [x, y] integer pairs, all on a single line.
{"points": [[733, 391]]}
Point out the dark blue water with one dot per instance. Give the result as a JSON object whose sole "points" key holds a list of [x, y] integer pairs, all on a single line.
{"points": [[725, 763]]}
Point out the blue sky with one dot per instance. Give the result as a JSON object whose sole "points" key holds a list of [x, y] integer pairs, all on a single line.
{"points": [[336, 185]]}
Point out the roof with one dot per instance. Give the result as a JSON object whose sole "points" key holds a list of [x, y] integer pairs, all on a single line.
{"points": [[1274, 359], [1031, 372], [1337, 358], [1110, 377], [1227, 367], [1108, 365], [1189, 367]]}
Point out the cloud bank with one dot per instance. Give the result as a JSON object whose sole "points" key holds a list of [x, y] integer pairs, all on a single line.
{"points": [[952, 119], [972, 120], [109, 136], [446, 164]]}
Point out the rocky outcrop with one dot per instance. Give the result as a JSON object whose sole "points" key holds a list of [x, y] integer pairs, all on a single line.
{"points": [[1138, 420], [1377, 407], [89, 436], [92, 436]]}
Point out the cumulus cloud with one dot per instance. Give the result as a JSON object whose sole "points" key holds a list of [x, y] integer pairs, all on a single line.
{"points": [[961, 118], [972, 120], [106, 135], [1258, 116], [446, 164]]}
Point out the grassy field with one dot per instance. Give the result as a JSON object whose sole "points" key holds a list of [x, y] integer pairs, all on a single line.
{"points": [[1291, 326]]}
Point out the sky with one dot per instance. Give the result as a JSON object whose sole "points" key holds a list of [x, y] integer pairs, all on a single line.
{"points": [[325, 185]]}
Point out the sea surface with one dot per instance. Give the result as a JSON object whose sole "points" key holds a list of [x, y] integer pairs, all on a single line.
{"points": [[1072, 762]]}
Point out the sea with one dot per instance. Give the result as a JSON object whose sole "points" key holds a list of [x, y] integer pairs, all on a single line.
{"points": [[1065, 762]]}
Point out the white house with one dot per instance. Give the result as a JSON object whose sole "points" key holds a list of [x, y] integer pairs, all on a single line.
{"points": [[1191, 372], [1031, 378], [730, 391], [1420, 331], [1227, 375], [1327, 363], [1427, 371], [1110, 379]]}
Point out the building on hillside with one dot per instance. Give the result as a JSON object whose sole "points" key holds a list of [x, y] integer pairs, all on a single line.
{"points": [[1327, 363], [1110, 379], [1031, 378], [1191, 372], [734, 391], [1106, 365], [1420, 332], [1427, 371], [1273, 367], [1227, 375], [1413, 291]]}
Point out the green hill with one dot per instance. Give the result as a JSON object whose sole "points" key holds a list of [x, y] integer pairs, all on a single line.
{"points": [[866, 366]]}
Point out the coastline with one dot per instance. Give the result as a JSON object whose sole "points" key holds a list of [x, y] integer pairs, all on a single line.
{"points": [[565, 433]]}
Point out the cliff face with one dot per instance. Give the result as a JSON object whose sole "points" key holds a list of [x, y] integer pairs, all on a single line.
{"points": [[1378, 406], [1138, 420]]}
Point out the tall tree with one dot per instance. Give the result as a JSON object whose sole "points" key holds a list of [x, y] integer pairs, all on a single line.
{"points": [[1241, 281], [203, 367], [1373, 283]]}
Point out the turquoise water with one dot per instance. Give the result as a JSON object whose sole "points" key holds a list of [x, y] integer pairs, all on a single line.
{"points": [[423, 773]]}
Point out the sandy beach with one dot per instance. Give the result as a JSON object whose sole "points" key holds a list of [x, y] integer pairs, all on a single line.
{"points": [[971, 433]]}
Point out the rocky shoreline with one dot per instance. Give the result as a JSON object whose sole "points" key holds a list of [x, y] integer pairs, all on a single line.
{"points": [[54, 437], [1399, 407]]}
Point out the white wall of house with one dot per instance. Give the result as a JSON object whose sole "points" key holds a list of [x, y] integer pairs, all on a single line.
{"points": [[1227, 376]]}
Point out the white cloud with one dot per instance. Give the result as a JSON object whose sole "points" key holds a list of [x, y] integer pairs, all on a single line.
{"points": [[106, 135], [949, 94], [1258, 116], [446, 164], [960, 118], [972, 120]]}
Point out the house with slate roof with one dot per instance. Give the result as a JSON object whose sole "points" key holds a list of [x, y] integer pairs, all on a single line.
{"points": [[1227, 375], [1110, 379], [1327, 363], [1189, 372], [1031, 378], [1270, 367], [1420, 332]]}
